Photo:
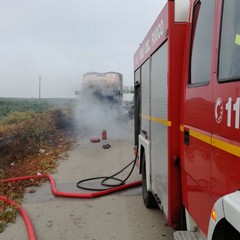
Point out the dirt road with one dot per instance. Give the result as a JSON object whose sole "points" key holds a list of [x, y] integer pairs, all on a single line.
{"points": [[120, 215]]}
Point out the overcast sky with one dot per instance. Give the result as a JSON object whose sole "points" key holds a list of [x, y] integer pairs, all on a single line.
{"points": [[63, 39]]}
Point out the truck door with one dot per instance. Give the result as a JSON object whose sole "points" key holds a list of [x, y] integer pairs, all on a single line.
{"points": [[226, 99], [197, 116]]}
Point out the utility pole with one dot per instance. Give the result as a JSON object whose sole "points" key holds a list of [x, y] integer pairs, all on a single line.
{"points": [[39, 87]]}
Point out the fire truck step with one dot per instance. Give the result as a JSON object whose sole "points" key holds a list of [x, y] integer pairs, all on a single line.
{"points": [[187, 235]]}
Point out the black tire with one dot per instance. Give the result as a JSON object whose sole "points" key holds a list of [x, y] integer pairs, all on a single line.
{"points": [[148, 197]]}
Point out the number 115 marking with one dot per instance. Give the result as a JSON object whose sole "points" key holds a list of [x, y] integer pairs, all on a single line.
{"points": [[230, 108]]}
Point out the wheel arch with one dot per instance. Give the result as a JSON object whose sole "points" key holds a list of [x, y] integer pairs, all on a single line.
{"points": [[224, 231], [144, 148], [224, 221]]}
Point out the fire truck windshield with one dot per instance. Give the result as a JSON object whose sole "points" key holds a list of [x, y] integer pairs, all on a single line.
{"points": [[229, 60]]}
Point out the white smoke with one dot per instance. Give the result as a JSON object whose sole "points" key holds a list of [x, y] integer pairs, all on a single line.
{"points": [[93, 115]]}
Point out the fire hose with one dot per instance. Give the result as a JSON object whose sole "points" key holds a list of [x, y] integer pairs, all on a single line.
{"points": [[106, 178], [98, 193]]}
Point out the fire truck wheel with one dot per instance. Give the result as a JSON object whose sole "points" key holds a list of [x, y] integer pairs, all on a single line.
{"points": [[148, 197]]}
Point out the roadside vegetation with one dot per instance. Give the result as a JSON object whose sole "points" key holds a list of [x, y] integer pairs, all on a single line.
{"points": [[32, 141], [8, 105]]}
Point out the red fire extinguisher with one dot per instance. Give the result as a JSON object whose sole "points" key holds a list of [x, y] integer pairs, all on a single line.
{"points": [[104, 134]]}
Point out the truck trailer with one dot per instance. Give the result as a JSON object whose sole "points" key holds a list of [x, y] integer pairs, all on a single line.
{"points": [[105, 87], [187, 116]]}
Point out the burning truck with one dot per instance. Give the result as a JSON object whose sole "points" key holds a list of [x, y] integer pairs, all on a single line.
{"points": [[101, 102], [104, 87]]}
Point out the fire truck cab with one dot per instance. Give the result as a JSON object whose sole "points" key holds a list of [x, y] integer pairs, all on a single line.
{"points": [[187, 116]]}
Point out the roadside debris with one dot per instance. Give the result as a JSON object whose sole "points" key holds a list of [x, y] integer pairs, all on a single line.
{"points": [[106, 146], [95, 140]]}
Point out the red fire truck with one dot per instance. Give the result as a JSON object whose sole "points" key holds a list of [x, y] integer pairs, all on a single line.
{"points": [[187, 116]]}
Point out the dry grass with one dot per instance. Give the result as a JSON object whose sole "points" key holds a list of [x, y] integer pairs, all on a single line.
{"points": [[49, 143]]}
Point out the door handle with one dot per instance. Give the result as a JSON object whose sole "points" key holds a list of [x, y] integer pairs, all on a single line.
{"points": [[186, 137]]}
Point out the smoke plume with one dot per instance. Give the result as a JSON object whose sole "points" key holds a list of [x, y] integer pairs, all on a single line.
{"points": [[94, 114]]}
